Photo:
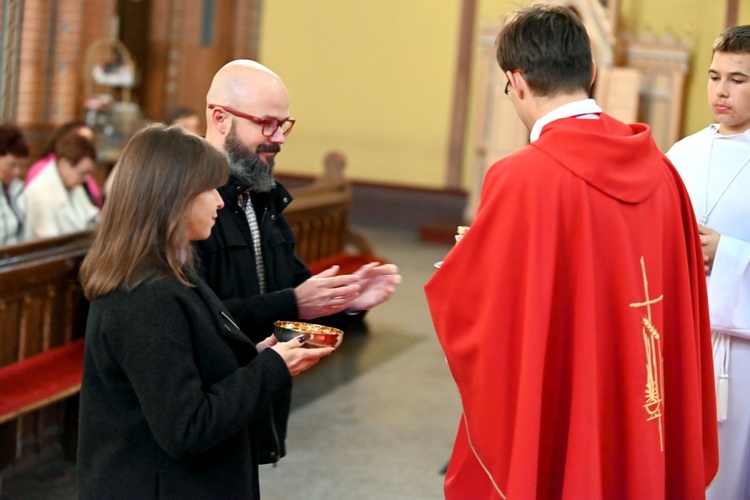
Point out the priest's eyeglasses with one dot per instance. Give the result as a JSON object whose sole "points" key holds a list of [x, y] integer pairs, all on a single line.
{"points": [[269, 126]]}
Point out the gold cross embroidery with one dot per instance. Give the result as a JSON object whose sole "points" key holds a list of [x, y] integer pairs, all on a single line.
{"points": [[654, 361]]}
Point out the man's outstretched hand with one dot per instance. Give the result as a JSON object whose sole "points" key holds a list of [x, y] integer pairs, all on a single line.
{"points": [[378, 283], [328, 292]]}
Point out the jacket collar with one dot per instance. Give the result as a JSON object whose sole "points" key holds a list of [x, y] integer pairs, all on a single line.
{"points": [[234, 187]]}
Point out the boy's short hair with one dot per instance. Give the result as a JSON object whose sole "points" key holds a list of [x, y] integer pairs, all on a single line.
{"points": [[736, 39], [549, 45]]}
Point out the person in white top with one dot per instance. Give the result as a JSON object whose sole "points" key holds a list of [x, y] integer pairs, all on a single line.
{"points": [[56, 202], [715, 167]]}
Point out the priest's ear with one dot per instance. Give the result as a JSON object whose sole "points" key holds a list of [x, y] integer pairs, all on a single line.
{"points": [[516, 82], [593, 74]]}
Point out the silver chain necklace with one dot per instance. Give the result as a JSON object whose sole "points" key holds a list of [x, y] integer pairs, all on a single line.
{"points": [[706, 210]]}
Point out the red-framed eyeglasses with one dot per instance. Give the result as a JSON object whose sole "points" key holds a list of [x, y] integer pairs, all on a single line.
{"points": [[269, 126]]}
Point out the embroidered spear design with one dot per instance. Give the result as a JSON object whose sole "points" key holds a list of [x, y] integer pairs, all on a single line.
{"points": [[654, 362]]}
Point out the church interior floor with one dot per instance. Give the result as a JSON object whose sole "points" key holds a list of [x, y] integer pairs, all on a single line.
{"points": [[375, 420]]}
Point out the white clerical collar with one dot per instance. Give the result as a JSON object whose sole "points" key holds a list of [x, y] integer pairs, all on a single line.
{"points": [[742, 136], [587, 108]]}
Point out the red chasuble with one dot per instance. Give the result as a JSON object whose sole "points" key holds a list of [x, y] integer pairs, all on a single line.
{"points": [[574, 319]]}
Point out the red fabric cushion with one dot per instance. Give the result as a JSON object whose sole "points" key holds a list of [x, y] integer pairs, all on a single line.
{"points": [[40, 379], [348, 263]]}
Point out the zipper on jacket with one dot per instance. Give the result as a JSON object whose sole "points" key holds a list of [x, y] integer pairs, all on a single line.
{"points": [[275, 439], [226, 316]]}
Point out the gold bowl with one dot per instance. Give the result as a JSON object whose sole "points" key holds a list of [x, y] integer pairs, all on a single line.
{"points": [[317, 335]]}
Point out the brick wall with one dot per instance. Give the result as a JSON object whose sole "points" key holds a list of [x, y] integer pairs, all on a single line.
{"points": [[54, 40], [176, 70]]}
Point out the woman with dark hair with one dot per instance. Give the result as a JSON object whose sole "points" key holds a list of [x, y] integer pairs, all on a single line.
{"points": [[56, 202], [175, 398], [13, 152], [73, 127]]}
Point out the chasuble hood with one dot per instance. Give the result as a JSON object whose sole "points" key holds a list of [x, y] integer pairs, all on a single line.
{"points": [[628, 151]]}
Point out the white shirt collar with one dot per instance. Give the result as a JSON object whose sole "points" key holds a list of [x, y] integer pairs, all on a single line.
{"points": [[587, 108], [714, 127]]}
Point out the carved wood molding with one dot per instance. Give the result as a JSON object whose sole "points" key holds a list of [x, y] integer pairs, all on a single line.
{"points": [[12, 19], [247, 29], [174, 46], [462, 88], [733, 11]]}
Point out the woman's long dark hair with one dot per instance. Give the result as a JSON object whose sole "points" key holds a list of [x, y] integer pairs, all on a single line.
{"points": [[143, 230]]}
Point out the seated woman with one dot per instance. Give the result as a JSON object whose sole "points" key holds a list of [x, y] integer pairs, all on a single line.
{"points": [[56, 202], [78, 127], [176, 401], [13, 152]]}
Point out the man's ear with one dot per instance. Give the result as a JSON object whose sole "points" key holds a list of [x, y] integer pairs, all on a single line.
{"points": [[518, 83], [220, 120], [593, 74]]}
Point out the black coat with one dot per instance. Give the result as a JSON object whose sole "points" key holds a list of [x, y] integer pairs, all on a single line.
{"points": [[172, 396], [227, 262]]}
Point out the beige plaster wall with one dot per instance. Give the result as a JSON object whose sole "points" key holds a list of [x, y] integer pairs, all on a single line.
{"points": [[375, 78]]}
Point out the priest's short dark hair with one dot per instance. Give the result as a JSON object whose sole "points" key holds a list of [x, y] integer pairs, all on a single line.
{"points": [[550, 46]]}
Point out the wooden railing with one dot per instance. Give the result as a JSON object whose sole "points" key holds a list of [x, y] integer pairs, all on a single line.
{"points": [[319, 217], [42, 323]]}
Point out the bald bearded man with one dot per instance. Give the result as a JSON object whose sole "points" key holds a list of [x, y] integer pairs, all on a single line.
{"points": [[249, 259]]}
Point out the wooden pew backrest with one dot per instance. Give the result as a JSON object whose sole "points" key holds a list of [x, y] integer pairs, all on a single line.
{"points": [[319, 217], [42, 323], [41, 303]]}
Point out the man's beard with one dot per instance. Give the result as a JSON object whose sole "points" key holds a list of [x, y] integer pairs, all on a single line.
{"points": [[247, 166]]}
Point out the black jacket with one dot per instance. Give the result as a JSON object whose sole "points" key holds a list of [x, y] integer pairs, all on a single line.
{"points": [[172, 397], [227, 262]]}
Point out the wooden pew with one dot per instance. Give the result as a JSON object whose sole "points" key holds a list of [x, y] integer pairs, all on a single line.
{"points": [[43, 312], [42, 322], [319, 217]]}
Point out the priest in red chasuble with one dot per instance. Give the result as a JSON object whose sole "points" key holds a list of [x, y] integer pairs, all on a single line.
{"points": [[573, 313]]}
